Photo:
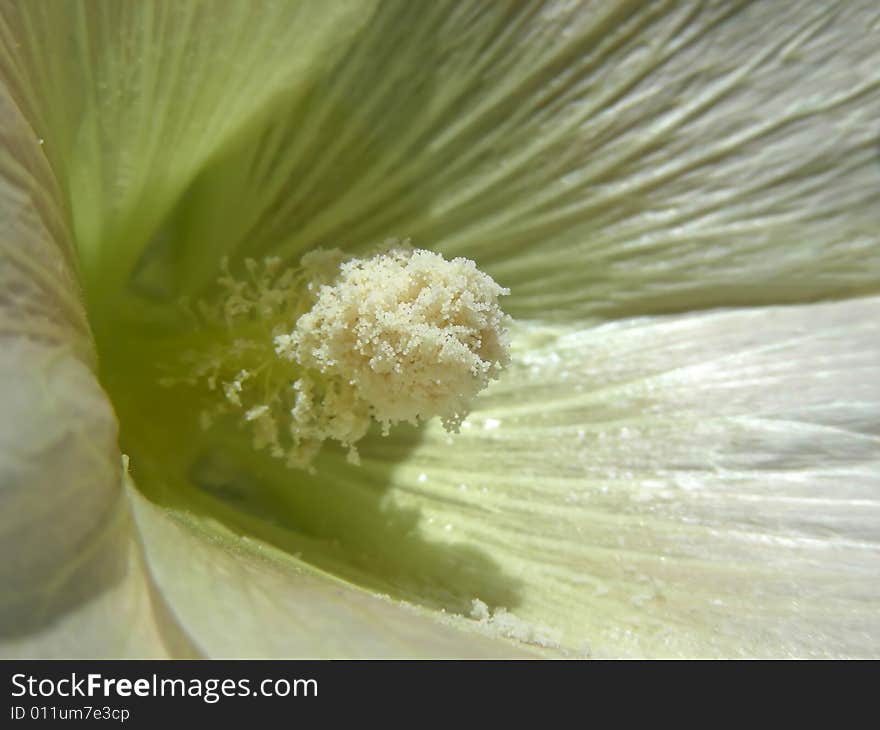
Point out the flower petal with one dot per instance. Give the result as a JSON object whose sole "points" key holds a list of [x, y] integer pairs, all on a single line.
{"points": [[700, 485], [132, 99], [635, 158], [71, 580], [601, 160], [238, 597]]}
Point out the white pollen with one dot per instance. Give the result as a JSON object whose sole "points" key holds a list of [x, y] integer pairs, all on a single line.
{"points": [[252, 414], [321, 351]]}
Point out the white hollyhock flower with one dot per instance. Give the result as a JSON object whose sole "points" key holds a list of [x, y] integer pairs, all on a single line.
{"points": [[682, 457]]}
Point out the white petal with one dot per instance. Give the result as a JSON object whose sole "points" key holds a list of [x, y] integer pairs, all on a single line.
{"points": [[70, 577], [697, 485], [132, 100], [238, 597], [601, 159]]}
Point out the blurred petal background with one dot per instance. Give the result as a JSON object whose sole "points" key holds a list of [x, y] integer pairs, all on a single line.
{"points": [[684, 198]]}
